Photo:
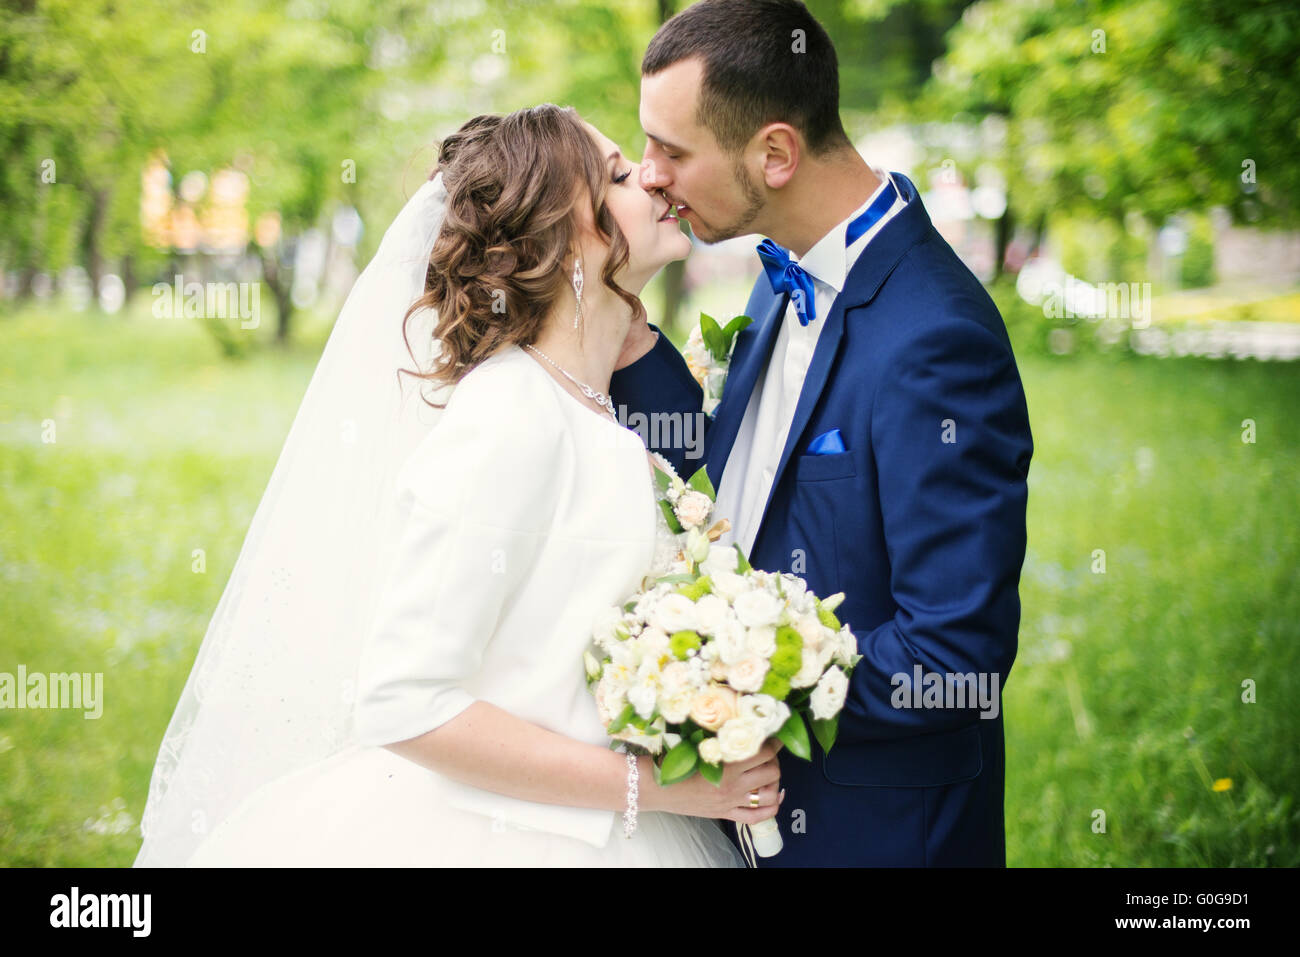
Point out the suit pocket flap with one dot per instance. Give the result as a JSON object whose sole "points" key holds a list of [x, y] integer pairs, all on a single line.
{"points": [[814, 468], [927, 760]]}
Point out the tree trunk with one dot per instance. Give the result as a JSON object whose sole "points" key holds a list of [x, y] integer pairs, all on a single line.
{"points": [[1005, 231], [91, 245], [280, 281]]}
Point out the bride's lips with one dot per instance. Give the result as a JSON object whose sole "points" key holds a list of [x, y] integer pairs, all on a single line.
{"points": [[668, 216]]}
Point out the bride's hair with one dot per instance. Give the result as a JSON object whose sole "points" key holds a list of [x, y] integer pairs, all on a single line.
{"points": [[503, 256]]}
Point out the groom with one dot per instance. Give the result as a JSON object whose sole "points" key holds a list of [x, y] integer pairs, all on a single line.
{"points": [[872, 436]]}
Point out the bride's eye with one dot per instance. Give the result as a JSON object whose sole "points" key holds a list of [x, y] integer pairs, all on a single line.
{"points": [[621, 178]]}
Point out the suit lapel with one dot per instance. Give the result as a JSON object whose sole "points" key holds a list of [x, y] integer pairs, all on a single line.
{"points": [[877, 261], [753, 347]]}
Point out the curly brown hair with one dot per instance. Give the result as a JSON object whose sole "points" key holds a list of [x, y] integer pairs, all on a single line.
{"points": [[503, 258]]}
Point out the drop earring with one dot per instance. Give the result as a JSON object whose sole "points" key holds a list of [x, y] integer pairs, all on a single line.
{"points": [[577, 290]]}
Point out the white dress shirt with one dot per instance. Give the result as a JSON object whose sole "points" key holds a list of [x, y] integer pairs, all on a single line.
{"points": [[529, 515], [752, 463]]}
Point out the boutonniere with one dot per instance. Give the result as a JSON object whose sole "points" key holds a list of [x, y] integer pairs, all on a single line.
{"points": [[708, 355]]}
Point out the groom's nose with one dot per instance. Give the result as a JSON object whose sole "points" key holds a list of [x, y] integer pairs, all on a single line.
{"points": [[652, 176]]}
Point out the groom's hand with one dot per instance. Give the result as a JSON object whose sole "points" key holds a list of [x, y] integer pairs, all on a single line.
{"points": [[640, 340]]}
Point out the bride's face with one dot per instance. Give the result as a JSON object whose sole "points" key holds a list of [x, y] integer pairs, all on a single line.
{"points": [[654, 237]]}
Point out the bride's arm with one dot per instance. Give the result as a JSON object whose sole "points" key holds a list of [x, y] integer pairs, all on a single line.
{"points": [[484, 489], [489, 748]]}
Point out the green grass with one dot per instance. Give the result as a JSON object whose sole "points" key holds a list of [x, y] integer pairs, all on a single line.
{"points": [[1125, 697]]}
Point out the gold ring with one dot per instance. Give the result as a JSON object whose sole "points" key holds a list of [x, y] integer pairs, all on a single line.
{"points": [[753, 799]]}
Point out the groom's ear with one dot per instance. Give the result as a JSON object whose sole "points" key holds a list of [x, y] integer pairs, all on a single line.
{"points": [[778, 147]]}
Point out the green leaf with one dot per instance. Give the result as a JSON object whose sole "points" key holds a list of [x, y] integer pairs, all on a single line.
{"points": [[671, 517], [623, 718], [681, 577], [678, 763], [794, 735], [662, 480], [825, 729], [743, 564], [734, 326], [711, 773], [712, 336], [700, 482]]}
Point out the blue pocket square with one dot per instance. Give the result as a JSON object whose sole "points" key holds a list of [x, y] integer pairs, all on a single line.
{"points": [[828, 443]]}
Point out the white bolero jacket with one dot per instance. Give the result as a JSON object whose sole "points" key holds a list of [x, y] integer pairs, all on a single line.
{"points": [[529, 514]]}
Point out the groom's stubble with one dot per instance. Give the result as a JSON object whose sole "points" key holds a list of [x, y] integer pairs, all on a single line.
{"points": [[742, 224]]}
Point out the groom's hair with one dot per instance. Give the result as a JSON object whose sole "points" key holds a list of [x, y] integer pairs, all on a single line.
{"points": [[765, 61]]}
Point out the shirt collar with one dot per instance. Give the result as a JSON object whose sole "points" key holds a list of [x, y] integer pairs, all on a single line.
{"points": [[828, 259]]}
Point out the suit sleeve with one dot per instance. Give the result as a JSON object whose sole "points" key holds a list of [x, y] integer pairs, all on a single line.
{"points": [[950, 436], [659, 399], [478, 497]]}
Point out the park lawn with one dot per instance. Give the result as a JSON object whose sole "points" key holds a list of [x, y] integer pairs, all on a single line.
{"points": [[1125, 699]]}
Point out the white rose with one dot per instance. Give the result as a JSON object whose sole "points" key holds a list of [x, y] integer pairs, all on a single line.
{"points": [[761, 640], [810, 671], [610, 700], [810, 629], [766, 710], [711, 612], [692, 508], [653, 643], [729, 585], [721, 559], [710, 751], [729, 640], [673, 613], [748, 673], [758, 607], [848, 646], [740, 738], [796, 589], [676, 692], [828, 697]]}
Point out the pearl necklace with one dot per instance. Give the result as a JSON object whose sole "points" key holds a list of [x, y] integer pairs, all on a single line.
{"points": [[604, 401]]}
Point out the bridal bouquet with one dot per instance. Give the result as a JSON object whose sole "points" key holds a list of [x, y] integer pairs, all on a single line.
{"points": [[703, 665], [708, 355]]}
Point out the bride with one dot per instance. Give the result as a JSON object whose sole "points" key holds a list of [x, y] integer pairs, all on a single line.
{"points": [[394, 673]]}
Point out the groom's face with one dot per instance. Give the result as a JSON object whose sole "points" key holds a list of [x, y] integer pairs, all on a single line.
{"points": [[712, 189]]}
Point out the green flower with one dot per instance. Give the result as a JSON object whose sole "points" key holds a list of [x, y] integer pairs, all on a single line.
{"points": [[787, 660], [697, 589], [682, 642], [775, 685]]}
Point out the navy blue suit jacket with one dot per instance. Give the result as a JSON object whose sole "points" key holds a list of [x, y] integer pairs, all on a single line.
{"points": [[920, 522]]}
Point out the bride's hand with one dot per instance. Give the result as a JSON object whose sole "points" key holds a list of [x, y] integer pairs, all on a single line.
{"points": [[729, 800]]}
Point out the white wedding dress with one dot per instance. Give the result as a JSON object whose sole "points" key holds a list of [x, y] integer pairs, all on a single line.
{"points": [[563, 498]]}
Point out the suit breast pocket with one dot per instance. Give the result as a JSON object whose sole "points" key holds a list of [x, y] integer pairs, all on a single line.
{"points": [[823, 468]]}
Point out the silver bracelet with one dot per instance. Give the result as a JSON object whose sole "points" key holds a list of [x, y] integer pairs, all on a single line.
{"points": [[633, 778]]}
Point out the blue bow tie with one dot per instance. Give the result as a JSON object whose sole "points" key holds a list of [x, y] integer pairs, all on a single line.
{"points": [[788, 277]]}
